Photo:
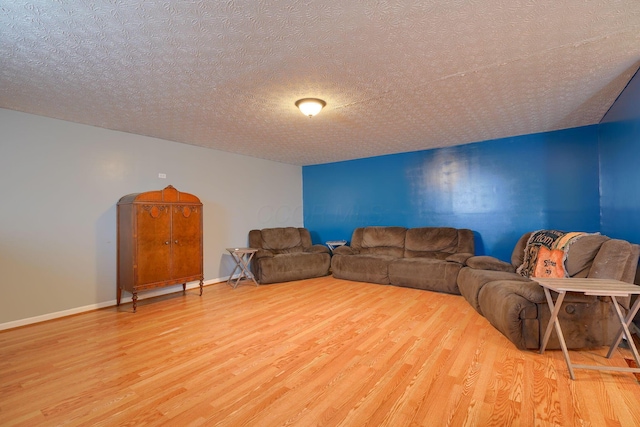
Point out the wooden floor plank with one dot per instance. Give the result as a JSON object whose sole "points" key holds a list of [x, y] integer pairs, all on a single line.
{"points": [[315, 352]]}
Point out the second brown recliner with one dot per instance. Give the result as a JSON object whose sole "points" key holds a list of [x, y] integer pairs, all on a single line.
{"points": [[285, 254]]}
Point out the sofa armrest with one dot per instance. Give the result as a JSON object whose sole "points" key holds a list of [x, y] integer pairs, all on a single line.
{"points": [[483, 262], [460, 258], [319, 249], [263, 253], [531, 291], [344, 250], [505, 310]]}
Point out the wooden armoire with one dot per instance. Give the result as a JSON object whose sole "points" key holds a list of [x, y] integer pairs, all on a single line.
{"points": [[159, 241]]}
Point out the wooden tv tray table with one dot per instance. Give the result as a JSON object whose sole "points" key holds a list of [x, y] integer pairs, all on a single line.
{"points": [[242, 257], [597, 287]]}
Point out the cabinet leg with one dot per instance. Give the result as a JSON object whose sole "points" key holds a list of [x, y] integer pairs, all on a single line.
{"points": [[184, 288], [135, 301], [201, 287], [118, 296]]}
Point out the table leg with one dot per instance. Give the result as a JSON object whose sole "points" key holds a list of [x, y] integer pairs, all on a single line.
{"points": [[624, 329], [555, 309], [247, 270], [554, 322], [240, 270], [236, 259]]}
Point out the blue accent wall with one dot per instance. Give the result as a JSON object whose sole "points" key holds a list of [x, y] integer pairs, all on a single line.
{"points": [[619, 136], [500, 189]]}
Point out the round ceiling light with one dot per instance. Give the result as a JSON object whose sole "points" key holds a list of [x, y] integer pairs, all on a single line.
{"points": [[310, 106]]}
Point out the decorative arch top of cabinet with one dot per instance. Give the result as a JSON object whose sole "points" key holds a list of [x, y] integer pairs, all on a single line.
{"points": [[168, 194]]}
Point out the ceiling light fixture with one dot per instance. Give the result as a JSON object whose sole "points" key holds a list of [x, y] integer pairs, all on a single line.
{"points": [[310, 106]]}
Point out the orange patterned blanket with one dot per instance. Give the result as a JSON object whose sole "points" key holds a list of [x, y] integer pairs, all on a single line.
{"points": [[546, 253]]}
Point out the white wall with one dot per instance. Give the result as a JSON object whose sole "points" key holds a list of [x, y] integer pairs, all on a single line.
{"points": [[59, 185]]}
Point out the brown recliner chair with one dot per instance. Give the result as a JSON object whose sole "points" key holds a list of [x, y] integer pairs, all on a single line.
{"points": [[285, 254], [517, 307]]}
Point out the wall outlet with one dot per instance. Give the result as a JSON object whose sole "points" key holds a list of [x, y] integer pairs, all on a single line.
{"points": [[162, 175]]}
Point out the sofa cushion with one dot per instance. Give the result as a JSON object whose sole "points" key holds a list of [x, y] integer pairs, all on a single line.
{"points": [[484, 262], [611, 260], [581, 253], [344, 250], [425, 273], [460, 257], [362, 268], [387, 241], [282, 240], [291, 266], [431, 242]]}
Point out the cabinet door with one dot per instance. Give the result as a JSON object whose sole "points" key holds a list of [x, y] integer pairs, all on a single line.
{"points": [[153, 257], [186, 241]]}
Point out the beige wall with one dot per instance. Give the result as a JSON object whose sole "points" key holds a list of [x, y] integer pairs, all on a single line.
{"points": [[60, 183]]}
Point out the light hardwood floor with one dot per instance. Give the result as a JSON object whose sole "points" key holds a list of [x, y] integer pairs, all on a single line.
{"points": [[317, 352]]}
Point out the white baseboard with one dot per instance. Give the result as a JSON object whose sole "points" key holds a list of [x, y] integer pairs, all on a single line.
{"points": [[77, 310]]}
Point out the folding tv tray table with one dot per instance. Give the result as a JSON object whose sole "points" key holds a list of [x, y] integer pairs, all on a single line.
{"points": [[242, 258], [597, 287]]}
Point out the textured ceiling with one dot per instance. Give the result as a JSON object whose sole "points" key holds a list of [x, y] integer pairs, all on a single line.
{"points": [[397, 75]]}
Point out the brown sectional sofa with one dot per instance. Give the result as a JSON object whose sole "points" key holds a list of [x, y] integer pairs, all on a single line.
{"points": [[285, 254], [441, 259], [424, 258], [516, 305]]}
